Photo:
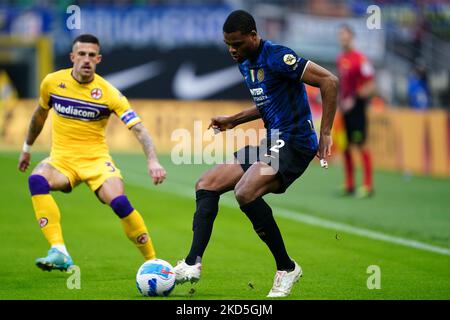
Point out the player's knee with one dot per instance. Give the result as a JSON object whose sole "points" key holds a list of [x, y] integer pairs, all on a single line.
{"points": [[121, 206], [205, 183], [243, 195], [38, 185], [199, 184]]}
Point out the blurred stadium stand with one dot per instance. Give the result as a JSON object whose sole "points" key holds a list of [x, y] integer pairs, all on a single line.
{"points": [[176, 31], [155, 49]]}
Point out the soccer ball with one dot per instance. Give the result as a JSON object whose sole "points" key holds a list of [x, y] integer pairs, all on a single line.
{"points": [[155, 278]]}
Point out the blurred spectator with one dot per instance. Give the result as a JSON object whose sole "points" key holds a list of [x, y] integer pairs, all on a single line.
{"points": [[419, 97], [8, 99]]}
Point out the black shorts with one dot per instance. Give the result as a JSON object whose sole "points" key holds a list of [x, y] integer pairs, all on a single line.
{"points": [[289, 162], [356, 122]]}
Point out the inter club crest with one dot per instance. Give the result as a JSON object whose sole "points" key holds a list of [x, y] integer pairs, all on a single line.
{"points": [[260, 75], [96, 93]]}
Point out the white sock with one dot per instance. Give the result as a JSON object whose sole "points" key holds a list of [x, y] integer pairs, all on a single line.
{"points": [[61, 248]]}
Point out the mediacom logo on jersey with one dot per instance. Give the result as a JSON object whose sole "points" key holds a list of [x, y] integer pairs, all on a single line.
{"points": [[76, 111]]}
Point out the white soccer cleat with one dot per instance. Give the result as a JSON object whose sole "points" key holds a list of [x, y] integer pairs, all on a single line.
{"points": [[185, 272], [284, 281]]}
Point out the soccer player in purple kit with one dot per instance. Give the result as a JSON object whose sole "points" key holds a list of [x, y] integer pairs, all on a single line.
{"points": [[275, 76]]}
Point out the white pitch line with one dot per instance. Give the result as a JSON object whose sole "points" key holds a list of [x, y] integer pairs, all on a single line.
{"points": [[188, 192], [329, 224]]}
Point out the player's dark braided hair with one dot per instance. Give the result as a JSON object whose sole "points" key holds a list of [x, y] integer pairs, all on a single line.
{"points": [[239, 20]]}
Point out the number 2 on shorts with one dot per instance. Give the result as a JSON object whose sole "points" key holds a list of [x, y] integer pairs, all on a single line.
{"points": [[276, 148]]}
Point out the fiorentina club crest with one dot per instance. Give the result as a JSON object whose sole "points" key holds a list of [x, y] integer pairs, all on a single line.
{"points": [[143, 238], [43, 222], [96, 93]]}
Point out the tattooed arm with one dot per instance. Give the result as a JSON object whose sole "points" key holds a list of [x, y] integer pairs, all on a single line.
{"points": [[36, 124], [145, 140], [156, 171]]}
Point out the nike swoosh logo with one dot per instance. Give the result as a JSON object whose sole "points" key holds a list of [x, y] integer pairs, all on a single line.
{"points": [[130, 77], [187, 85]]}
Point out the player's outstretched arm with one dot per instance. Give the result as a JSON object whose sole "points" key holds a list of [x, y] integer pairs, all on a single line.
{"points": [[155, 169], [223, 123], [34, 129], [328, 83]]}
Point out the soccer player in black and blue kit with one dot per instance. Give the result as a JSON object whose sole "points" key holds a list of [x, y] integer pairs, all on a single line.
{"points": [[275, 76]]}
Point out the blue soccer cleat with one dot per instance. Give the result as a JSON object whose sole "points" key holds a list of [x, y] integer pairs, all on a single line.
{"points": [[54, 260]]}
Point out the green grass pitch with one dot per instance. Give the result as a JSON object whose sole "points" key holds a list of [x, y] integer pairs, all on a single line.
{"points": [[334, 260]]}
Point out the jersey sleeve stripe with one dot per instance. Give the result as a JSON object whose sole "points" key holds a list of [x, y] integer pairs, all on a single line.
{"points": [[304, 69]]}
